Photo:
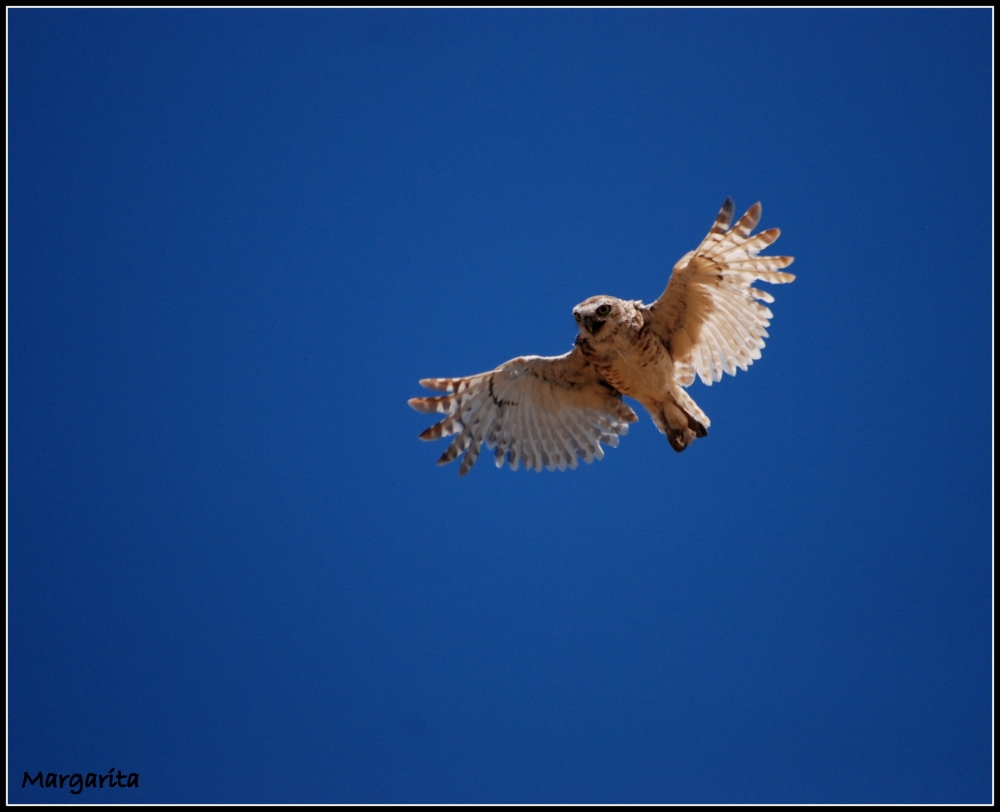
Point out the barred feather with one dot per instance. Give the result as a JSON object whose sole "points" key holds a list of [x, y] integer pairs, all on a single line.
{"points": [[709, 315], [536, 412]]}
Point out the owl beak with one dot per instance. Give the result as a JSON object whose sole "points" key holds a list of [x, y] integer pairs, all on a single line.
{"points": [[594, 324]]}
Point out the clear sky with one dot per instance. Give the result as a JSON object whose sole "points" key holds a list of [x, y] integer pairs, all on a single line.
{"points": [[237, 239]]}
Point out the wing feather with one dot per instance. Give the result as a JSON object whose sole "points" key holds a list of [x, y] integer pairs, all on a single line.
{"points": [[532, 411], [709, 316]]}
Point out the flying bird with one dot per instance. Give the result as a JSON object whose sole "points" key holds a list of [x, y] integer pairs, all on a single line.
{"points": [[551, 412]]}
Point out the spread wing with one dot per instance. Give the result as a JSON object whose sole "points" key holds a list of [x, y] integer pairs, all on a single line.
{"points": [[537, 411], [709, 316]]}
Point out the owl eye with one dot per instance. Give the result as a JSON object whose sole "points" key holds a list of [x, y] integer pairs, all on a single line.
{"points": [[577, 316], [603, 310]]}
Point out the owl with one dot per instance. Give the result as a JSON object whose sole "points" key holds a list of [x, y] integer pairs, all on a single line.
{"points": [[551, 412]]}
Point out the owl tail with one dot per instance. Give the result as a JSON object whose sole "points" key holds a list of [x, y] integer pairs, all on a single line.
{"points": [[681, 419]]}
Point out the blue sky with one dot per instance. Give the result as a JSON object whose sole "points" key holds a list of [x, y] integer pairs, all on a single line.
{"points": [[237, 239]]}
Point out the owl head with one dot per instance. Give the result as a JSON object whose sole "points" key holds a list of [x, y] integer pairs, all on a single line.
{"points": [[595, 314]]}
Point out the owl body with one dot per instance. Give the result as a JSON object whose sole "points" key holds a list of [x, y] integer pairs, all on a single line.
{"points": [[617, 337], [549, 412]]}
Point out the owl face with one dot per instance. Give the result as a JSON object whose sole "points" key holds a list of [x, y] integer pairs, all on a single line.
{"points": [[593, 315]]}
